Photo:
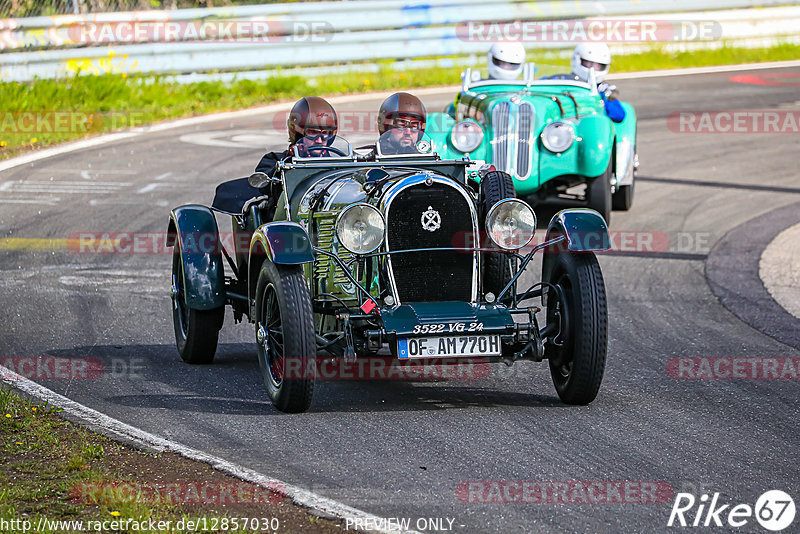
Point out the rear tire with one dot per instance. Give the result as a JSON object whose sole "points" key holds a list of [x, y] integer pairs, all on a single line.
{"points": [[288, 348], [196, 331], [578, 364], [599, 192], [495, 186], [623, 198]]}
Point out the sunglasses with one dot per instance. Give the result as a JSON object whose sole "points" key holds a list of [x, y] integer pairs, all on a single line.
{"points": [[317, 132], [404, 124]]}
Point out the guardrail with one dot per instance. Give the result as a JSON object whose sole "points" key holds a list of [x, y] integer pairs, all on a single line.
{"points": [[248, 38]]}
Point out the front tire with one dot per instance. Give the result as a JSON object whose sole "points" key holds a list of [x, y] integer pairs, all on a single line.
{"points": [[196, 331], [599, 192], [495, 186], [623, 198], [577, 356], [287, 346]]}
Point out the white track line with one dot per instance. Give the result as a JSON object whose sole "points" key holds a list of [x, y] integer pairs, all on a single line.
{"points": [[109, 425]]}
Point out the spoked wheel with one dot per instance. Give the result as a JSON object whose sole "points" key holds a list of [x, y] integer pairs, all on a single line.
{"points": [[599, 192], [287, 345], [196, 331], [495, 186], [577, 356]]}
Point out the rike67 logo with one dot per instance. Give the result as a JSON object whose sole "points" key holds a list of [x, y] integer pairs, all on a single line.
{"points": [[774, 510]]}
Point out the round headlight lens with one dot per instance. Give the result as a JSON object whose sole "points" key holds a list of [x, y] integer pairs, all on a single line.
{"points": [[511, 224], [466, 136], [558, 136], [360, 228]]}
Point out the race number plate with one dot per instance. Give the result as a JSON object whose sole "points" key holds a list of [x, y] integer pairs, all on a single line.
{"points": [[448, 346]]}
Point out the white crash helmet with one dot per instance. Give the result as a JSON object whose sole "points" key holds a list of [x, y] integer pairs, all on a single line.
{"points": [[505, 61], [597, 53]]}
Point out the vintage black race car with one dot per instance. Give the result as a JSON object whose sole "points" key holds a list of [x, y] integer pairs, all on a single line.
{"points": [[403, 253]]}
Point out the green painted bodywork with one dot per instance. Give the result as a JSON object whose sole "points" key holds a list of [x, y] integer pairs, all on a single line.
{"points": [[584, 229], [195, 228], [285, 243], [588, 156], [401, 320]]}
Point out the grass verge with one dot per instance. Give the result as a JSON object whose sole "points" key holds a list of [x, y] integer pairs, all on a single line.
{"points": [[57, 477], [47, 112]]}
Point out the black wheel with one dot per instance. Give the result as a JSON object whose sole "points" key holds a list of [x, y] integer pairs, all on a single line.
{"points": [[623, 198], [577, 356], [495, 186], [599, 192], [287, 346], [196, 331]]}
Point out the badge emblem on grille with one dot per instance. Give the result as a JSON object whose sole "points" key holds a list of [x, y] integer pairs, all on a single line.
{"points": [[431, 220]]}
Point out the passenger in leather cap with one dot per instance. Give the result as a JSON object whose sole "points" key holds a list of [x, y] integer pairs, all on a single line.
{"points": [[312, 119], [403, 116]]}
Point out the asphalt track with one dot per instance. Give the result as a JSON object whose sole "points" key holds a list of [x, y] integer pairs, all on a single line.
{"points": [[402, 448]]}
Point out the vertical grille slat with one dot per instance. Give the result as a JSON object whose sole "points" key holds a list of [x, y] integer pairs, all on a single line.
{"points": [[524, 127], [437, 275], [500, 124]]}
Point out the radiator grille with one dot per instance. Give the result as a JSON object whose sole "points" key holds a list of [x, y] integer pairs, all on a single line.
{"points": [[524, 126], [500, 123], [437, 275]]}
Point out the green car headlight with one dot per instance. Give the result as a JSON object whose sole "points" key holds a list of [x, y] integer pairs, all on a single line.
{"points": [[466, 136], [511, 224], [360, 228], [558, 136]]}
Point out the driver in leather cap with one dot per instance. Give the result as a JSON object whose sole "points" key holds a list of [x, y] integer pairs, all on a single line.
{"points": [[403, 116], [312, 121]]}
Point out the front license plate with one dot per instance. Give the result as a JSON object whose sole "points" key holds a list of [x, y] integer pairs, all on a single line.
{"points": [[448, 346]]}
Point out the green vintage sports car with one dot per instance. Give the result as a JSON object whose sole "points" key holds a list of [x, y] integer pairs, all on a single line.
{"points": [[550, 135], [384, 252]]}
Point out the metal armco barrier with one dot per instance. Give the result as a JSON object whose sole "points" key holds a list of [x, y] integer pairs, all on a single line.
{"points": [[248, 38]]}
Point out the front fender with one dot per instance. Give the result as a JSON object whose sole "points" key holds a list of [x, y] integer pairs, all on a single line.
{"points": [[283, 242], [585, 231], [194, 228], [596, 134], [626, 146]]}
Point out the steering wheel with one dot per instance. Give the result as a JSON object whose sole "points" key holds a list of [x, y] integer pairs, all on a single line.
{"points": [[329, 148]]}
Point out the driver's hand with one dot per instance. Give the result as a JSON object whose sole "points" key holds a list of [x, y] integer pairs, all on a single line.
{"points": [[611, 92]]}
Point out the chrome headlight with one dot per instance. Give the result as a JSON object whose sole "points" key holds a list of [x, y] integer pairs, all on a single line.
{"points": [[360, 228], [466, 136], [511, 224], [558, 136]]}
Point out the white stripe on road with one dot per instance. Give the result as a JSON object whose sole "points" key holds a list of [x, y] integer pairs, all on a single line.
{"points": [[114, 427]]}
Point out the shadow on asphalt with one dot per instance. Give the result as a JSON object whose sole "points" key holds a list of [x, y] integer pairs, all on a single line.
{"points": [[233, 384]]}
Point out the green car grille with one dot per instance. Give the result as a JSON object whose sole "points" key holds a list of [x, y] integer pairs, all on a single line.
{"points": [[512, 145]]}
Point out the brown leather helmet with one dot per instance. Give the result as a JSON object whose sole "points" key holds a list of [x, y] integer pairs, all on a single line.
{"points": [[311, 112], [400, 105]]}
